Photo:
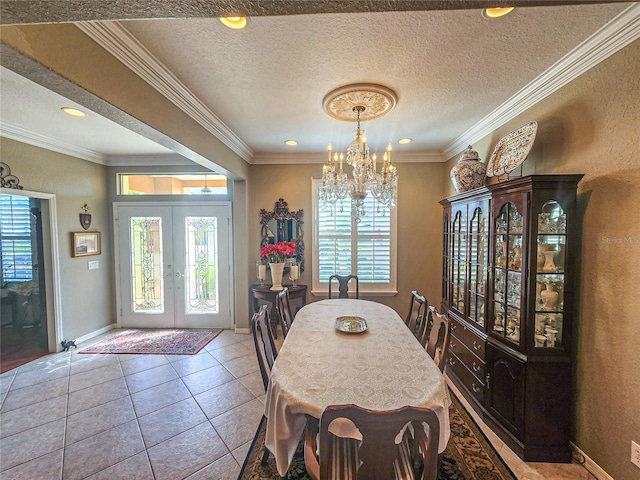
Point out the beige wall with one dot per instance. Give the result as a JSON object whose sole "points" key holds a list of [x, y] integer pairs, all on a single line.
{"points": [[419, 223], [592, 126], [86, 295]]}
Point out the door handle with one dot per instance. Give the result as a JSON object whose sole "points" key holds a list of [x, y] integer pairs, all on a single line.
{"points": [[179, 275]]}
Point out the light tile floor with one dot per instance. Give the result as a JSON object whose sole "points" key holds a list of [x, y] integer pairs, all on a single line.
{"points": [[74, 416]]}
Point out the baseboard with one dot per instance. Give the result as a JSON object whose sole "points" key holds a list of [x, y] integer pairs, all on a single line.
{"points": [[95, 333], [243, 330], [593, 468]]}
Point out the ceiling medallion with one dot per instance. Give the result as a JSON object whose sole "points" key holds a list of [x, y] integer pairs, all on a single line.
{"points": [[377, 100]]}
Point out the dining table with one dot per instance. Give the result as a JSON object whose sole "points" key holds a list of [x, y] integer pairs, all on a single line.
{"points": [[330, 358]]}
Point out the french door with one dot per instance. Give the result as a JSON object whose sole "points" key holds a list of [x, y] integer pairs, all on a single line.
{"points": [[174, 265]]}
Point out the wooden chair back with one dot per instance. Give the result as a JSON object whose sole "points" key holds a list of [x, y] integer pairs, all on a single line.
{"points": [[439, 337], [416, 308], [424, 328], [283, 307], [264, 343], [343, 287], [378, 456]]}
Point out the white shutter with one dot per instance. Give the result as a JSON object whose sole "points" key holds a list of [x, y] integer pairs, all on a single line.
{"points": [[334, 242], [15, 238], [367, 249]]}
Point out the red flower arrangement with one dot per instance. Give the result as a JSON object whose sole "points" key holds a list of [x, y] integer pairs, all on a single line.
{"points": [[278, 252]]}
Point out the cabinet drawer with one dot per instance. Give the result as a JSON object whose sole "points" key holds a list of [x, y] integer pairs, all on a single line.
{"points": [[468, 379], [469, 338], [471, 361]]}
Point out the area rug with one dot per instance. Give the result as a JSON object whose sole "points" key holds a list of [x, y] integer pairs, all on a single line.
{"points": [[152, 341], [468, 456]]}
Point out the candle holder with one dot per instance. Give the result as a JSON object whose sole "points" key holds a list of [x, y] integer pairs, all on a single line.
{"points": [[294, 271], [261, 272]]}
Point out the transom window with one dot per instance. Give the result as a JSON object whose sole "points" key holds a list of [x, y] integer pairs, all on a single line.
{"points": [[172, 184], [342, 246]]}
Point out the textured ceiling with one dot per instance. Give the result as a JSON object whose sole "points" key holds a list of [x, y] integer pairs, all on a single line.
{"points": [[449, 68]]}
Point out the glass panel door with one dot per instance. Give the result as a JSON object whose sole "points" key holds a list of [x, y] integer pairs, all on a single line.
{"points": [[478, 229], [202, 267], [507, 287], [459, 259], [175, 266], [550, 268]]}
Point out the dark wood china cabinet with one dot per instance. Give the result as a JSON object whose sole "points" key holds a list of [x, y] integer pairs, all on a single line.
{"points": [[508, 285]]}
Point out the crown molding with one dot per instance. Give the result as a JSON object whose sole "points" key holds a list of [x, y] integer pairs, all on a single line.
{"points": [[319, 158], [29, 137], [115, 39], [617, 34], [147, 160]]}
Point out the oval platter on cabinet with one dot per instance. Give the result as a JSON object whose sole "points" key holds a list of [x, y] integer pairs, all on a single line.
{"points": [[511, 150]]}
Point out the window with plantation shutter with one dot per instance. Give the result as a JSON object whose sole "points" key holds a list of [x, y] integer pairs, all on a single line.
{"points": [[343, 246], [15, 238]]}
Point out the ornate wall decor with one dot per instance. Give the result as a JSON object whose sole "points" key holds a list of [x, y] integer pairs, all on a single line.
{"points": [[8, 180], [85, 218], [281, 225]]}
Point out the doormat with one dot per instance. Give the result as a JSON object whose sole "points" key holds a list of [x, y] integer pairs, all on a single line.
{"points": [[468, 456], [152, 341]]}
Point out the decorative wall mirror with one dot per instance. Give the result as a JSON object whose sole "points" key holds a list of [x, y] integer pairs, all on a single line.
{"points": [[281, 225]]}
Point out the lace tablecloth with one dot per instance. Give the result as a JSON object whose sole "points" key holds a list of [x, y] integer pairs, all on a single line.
{"points": [[382, 368]]}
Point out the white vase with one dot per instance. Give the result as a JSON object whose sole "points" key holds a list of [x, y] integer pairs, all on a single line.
{"points": [[549, 297], [277, 269], [549, 265]]}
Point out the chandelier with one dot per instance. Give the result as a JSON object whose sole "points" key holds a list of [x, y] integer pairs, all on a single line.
{"points": [[380, 179]]}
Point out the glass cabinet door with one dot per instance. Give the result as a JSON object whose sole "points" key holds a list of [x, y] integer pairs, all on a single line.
{"points": [[446, 260], [507, 274], [550, 271], [458, 259], [478, 255]]}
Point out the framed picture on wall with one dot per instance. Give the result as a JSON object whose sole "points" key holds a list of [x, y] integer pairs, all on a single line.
{"points": [[85, 243]]}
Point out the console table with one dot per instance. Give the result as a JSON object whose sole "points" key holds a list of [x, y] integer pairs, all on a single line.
{"points": [[263, 292]]}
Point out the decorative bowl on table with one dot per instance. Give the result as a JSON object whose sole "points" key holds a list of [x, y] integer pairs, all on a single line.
{"points": [[351, 324]]}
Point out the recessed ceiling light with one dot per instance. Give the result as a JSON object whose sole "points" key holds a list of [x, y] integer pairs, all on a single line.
{"points": [[234, 23], [74, 112], [402, 141], [290, 142], [496, 12]]}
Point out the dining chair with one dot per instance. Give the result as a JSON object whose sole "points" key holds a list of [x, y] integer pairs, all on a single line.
{"points": [[376, 455], [343, 287], [416, 308], [265, 351], [283, 307], [439, 337], [423, 329]]}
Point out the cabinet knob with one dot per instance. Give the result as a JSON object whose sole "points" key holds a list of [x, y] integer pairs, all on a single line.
{"points": [[452, 362], [476, 345], [487, 379], [453, 326], [452, 344], [475, 388], [476, 367]]}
